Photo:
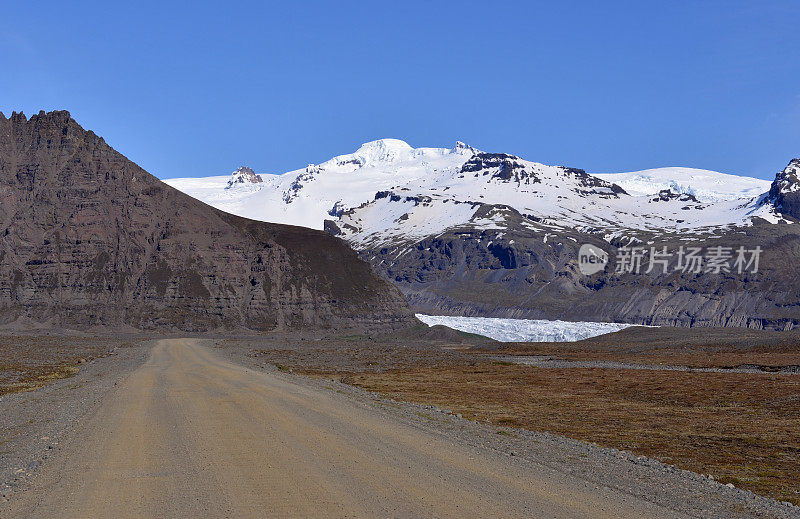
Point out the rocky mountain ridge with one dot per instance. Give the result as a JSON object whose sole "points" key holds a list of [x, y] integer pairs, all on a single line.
{"points": [[89, 239]]}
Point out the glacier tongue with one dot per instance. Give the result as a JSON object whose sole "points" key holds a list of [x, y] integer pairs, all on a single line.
{"points": [[523, 330]]}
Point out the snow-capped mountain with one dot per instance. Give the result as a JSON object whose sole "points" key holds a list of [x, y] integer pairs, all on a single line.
{"points": [[551, 198], [309, 196], [461, 231], [705, 185], [388, 190]]}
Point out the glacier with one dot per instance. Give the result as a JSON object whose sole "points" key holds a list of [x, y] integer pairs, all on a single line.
{"points": [[523, 330], [705, 185]]}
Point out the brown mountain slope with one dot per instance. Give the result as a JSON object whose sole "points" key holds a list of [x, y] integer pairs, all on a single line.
{"points": [[89, 238]]}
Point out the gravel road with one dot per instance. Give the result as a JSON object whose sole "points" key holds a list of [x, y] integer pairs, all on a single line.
{"points": [[191, 433]]}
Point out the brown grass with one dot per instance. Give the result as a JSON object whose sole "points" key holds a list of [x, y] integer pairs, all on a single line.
{"points": [[693, 347], [741, 428], [671, 357], [31, 362]]}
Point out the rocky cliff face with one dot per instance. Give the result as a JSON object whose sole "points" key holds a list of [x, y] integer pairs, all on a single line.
{"points": [[87, 238], [785, 190], [522, 269]]}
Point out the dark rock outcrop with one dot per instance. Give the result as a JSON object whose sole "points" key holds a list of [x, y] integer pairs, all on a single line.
{"points": [[665, 195], [521, 271], [785, 190], [88, 238], [244, 175], [501, 167]]}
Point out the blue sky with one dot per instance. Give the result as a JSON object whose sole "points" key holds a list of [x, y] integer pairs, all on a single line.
{"points": [[199, 88]]}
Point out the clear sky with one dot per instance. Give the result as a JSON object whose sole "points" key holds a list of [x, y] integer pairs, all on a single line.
{"points": [[199, 88]]}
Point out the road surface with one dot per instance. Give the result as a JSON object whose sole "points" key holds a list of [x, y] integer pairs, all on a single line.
{"points": [[190, 434]]}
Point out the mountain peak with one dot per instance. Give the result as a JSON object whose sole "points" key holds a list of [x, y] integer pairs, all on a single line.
{"points": [[383, 150], [244, 175], [386, 144], [788, 180], [54, 116], [379, 151], [463, 148], [785, 190]]}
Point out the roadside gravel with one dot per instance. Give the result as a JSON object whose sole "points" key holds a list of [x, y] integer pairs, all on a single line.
{"points": [[34, 422]]}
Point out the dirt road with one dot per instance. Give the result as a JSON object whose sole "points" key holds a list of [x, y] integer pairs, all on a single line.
{"points": [[192, 435]]}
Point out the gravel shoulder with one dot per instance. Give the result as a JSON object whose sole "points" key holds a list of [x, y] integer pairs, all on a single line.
{"points": [[35, 422]]}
